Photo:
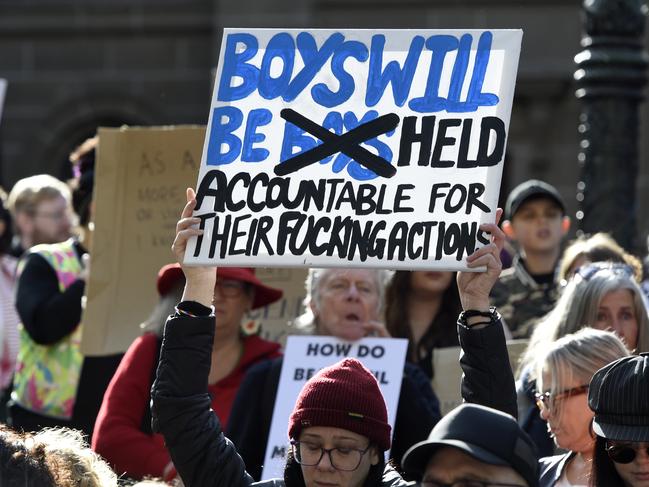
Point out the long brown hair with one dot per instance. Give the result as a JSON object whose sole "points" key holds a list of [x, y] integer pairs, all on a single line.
{"points": [[442, 330]]}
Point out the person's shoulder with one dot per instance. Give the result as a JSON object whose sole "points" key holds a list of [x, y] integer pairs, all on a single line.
{"points": [[33, 262], [141, 354], [256, 347], [414, 373], [43, 254], [48, 248], [148, 342], [265, 367]]}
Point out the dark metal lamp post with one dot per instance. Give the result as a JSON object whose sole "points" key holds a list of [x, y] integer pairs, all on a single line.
{"points": [[610, 79]]}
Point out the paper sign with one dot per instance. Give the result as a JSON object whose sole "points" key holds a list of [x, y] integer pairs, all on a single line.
{"points": [[142, 175], [380, 148], [3, 90], [306, 355], [448, 372]]}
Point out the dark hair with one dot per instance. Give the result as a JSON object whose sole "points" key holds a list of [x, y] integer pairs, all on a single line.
{"points": [[21, 466], [603, 472], [5, 217], [83, 161], [441, 332], [293, 472]]}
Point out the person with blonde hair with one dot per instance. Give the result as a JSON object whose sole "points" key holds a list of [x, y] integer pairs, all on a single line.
{"points": [[51, 457], [55, 384], [40, 208], [71, 460], [604, 296], [563, 373], [600, 247]]}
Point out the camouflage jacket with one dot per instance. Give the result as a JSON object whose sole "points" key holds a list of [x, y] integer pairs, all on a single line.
{"points": [[521, 300]]}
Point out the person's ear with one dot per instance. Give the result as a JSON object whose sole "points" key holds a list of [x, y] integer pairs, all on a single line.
{"points": [[24, 222], [374, 456], [508, 228], [565, 224]]}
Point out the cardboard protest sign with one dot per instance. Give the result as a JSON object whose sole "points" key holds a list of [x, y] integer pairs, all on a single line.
{"points": [[335, 148], [448, 372], [306, 355], [141, 176], [3, 90]]}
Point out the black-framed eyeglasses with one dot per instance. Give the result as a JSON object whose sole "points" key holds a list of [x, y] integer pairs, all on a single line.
{"points": [[547, 400], [466, 483], [625, 452], [341, 458]]}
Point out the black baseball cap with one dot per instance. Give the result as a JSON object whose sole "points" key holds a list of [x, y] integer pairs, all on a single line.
{"points": [[488, 435], [619, 396], [530, 189]]}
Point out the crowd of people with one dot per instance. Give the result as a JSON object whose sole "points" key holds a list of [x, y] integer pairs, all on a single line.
{"points": [[191, 401]]}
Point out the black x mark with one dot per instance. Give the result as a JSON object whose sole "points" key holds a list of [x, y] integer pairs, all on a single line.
{"points": [[346, 143]]}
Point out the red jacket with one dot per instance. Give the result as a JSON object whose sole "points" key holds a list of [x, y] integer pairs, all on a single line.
{"points": [[118, 436]]}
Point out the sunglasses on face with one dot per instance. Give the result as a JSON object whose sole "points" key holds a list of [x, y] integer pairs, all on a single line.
{"points": [[624, 453], [547, 400]]}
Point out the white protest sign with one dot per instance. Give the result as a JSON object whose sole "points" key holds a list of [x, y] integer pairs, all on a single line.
{"points": [[335, 148], [306, 355], [3, 90]]}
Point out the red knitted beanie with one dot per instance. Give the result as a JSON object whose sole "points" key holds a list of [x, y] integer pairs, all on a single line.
{"points": [[345, 395]]}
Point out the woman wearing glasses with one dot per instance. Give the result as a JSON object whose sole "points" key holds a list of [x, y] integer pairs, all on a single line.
{"points": [[563, 374], [604, 296], [619, 395], [123, 433]]}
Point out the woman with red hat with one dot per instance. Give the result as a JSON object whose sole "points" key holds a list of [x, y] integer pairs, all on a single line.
{"points": [[338, 429], [123, 433]]}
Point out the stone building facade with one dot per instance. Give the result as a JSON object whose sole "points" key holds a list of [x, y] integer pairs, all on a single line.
{"points": [[74, 65]]}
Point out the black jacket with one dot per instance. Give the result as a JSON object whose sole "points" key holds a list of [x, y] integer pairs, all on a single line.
{"points": [[252, 413], [205, 458]]}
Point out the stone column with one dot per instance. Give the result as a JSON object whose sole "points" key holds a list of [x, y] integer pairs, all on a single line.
{"points": [[610, 77]]}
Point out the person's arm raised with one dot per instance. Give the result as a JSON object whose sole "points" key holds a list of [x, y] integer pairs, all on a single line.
{"points": [[474, 287], [181, 405], [488, 377], [199, 281]]}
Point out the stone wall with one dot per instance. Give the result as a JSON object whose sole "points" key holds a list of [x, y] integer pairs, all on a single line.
{"points": [[72, 65]]}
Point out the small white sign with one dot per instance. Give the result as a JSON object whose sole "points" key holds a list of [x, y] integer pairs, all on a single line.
{"points": [[306, 355]]}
